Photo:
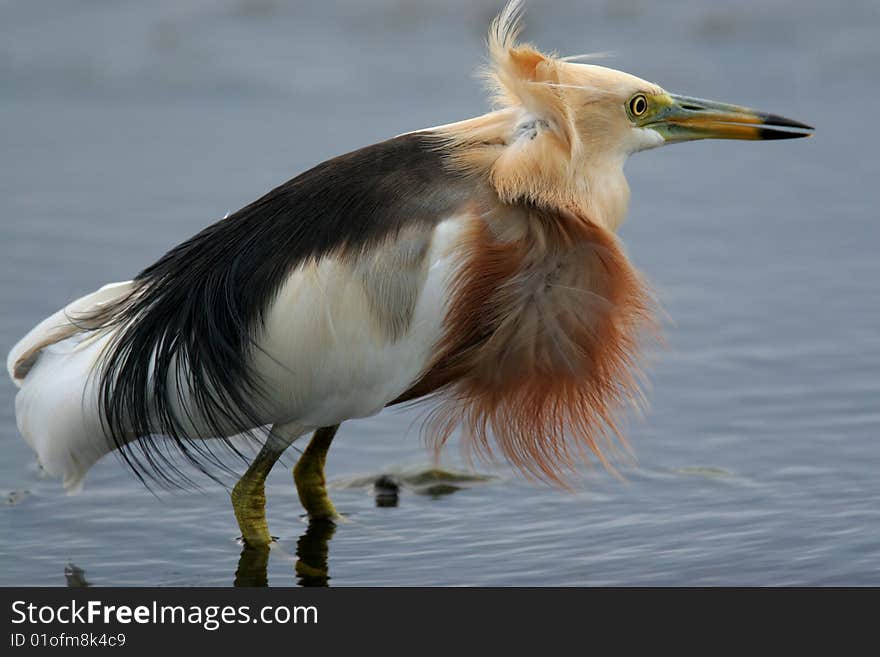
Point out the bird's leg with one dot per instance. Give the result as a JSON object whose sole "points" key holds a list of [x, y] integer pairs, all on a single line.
{"points": [[309, 476], [249, 494]]}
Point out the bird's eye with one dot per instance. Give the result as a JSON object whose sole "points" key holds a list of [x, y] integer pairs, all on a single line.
{"points": [[638, 105]]}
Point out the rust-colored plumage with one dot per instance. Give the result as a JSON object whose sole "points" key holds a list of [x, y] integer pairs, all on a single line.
{"points": [[541, 343]]}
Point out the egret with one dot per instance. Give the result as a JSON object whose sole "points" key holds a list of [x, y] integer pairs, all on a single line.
{"points": [[474, 265]]}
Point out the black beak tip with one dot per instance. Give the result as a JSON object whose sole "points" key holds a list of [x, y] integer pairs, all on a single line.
{"points": [[770, 133], [782, 122]]}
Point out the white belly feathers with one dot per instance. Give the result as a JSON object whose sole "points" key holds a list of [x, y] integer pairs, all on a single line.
{"points": [[325, 359]]}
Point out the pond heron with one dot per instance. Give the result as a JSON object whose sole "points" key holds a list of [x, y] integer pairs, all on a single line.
{"points": [[474, 265]]}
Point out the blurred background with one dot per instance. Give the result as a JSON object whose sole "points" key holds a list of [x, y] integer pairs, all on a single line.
{"points": [[127, 126]]}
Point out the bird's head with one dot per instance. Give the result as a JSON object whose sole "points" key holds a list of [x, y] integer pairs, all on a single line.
{"points": [[564, 129], [635, 114]]}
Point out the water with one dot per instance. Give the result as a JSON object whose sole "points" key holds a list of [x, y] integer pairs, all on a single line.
{"points": [[128, 127]]}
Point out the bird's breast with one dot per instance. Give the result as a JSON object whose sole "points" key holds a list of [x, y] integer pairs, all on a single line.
{"points": [[347, 334]]}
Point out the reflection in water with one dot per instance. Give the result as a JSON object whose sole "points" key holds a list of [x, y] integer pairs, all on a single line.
{"points": [[433, 482], [387, 491], [252, 566], [312, 550], [313, 547]]}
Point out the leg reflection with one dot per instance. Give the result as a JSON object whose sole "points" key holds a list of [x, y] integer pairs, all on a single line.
{"points": [[252, 566], [312, 557], [312, 550]]}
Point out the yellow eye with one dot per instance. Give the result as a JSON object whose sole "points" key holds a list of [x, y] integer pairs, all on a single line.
{"points": [[638, 105]]}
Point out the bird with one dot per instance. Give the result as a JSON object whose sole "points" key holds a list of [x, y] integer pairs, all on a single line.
{"points": [[474, 267]]}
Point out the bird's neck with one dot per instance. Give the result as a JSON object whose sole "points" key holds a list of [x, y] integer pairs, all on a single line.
{"points": [[524, 160], [607, 196]]}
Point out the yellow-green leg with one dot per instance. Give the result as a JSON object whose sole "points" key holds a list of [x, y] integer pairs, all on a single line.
{"points": [[249, 494], [309, 476]]}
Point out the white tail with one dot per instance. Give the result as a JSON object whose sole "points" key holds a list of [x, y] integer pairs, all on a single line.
{"points": [[57, 407]]}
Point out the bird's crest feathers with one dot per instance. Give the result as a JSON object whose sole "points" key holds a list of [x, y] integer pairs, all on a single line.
{"points": [[519, 75]]}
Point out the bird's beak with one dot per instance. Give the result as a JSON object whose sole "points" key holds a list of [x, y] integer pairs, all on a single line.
{"points": [[686, 119]]}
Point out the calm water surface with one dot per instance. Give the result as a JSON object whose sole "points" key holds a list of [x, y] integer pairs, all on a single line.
{"points": [[126, 128]]}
